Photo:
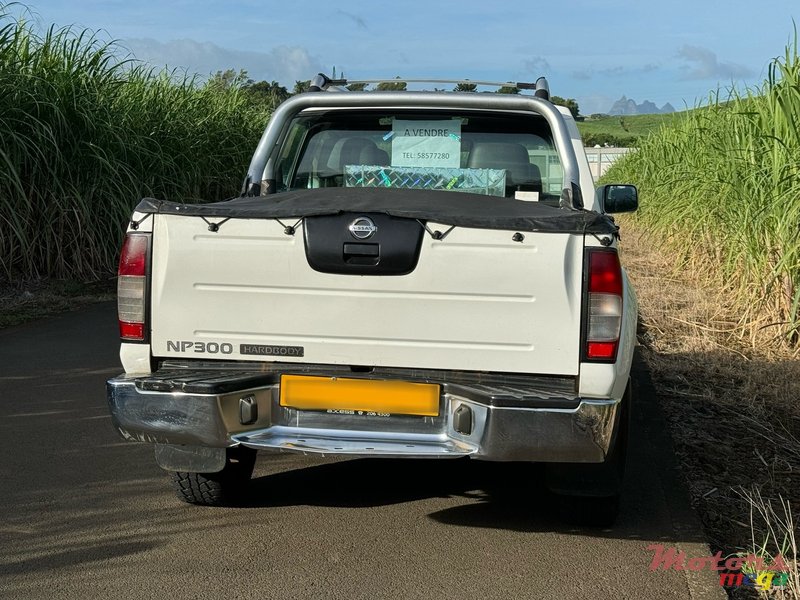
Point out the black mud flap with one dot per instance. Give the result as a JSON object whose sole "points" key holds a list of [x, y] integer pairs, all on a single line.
{"points": [[596, 479], [190, 459]]}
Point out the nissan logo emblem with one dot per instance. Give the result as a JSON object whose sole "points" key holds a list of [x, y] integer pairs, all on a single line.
{"points": [[362, 228]]}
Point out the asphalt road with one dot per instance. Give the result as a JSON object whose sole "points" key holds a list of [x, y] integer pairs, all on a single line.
{"points": [[84, 514]]}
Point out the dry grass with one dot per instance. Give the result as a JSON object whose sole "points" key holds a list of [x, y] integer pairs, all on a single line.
{"points": [[773, 528], [733, 410]]}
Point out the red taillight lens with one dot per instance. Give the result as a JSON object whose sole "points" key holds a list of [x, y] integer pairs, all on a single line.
{"points": [[133, 258], [604, 314], [605, 274], [132, 285]]}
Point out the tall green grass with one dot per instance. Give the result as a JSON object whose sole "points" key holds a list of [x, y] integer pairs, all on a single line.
{"points": [[85, 134], [722, 185]]}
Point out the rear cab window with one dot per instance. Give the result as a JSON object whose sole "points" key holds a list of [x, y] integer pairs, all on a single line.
{"points": [[510, 154]]}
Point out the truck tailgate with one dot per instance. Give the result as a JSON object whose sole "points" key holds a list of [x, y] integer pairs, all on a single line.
{"points": [[475, 301]]}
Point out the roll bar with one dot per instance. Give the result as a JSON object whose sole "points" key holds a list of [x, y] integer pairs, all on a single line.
{"points": [[261, 177]]}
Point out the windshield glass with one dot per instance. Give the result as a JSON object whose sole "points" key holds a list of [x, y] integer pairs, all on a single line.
{"points": [[511, 155]]}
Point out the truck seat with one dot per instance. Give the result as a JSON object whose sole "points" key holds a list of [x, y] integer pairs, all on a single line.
{"points": [[356, 151], [520, 173]]}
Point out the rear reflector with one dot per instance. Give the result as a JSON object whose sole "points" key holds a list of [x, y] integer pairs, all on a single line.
{"points": [[602, 350], [132, 287], [131, 331], [604, 315]]}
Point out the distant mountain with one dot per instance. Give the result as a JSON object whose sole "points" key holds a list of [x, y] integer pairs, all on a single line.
{"points": [[625, 106]]}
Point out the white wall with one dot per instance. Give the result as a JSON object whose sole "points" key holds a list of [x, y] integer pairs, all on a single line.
{"points": [[600, 159]]}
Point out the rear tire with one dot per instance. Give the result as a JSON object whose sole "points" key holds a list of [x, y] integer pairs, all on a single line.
{"points": [[224, 488]]}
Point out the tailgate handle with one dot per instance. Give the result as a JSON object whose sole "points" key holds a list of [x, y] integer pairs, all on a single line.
{"points": [[362, 254], [362, 250]]}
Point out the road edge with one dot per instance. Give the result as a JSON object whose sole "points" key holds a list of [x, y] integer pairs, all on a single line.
{"points": [[703, 584]]}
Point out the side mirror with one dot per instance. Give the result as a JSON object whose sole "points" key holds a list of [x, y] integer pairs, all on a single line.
{"points": [[619, 198]]}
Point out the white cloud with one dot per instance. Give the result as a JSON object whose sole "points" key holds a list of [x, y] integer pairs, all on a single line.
{"points": [[615, 72], [284, 64], [705, 65]]}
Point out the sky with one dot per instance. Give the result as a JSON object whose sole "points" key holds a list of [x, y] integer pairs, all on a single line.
{"points": [[594, 51]]}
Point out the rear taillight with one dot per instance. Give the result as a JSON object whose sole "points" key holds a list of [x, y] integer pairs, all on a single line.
{"points": [[604, 310], [132, 287]]}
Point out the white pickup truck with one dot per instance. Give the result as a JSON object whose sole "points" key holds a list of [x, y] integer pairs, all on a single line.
{"points": [[405, 274]]}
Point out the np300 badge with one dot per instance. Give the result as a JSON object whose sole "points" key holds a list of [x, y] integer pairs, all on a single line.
{"points": [[362, 228]]}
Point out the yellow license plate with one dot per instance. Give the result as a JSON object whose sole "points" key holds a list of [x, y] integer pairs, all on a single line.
{"points": [[364, 395]]}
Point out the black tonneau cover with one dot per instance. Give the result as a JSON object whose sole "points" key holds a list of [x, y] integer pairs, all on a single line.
{"points": [[449, 208]]}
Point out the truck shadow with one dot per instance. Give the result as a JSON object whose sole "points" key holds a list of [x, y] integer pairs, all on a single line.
{"points": [[510, 496]]}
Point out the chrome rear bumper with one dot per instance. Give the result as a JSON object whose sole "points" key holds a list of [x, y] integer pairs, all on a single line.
{"points": [[558, 429]]}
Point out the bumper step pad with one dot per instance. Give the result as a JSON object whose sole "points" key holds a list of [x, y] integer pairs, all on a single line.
{"points": [[364, 443]]}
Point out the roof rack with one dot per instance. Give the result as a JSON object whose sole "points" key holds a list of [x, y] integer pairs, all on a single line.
{"points": [[540, 87]]}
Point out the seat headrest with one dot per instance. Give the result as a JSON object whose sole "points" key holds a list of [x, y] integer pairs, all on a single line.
{"points": [[354, 151], [493, 155], [512, 157]]}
